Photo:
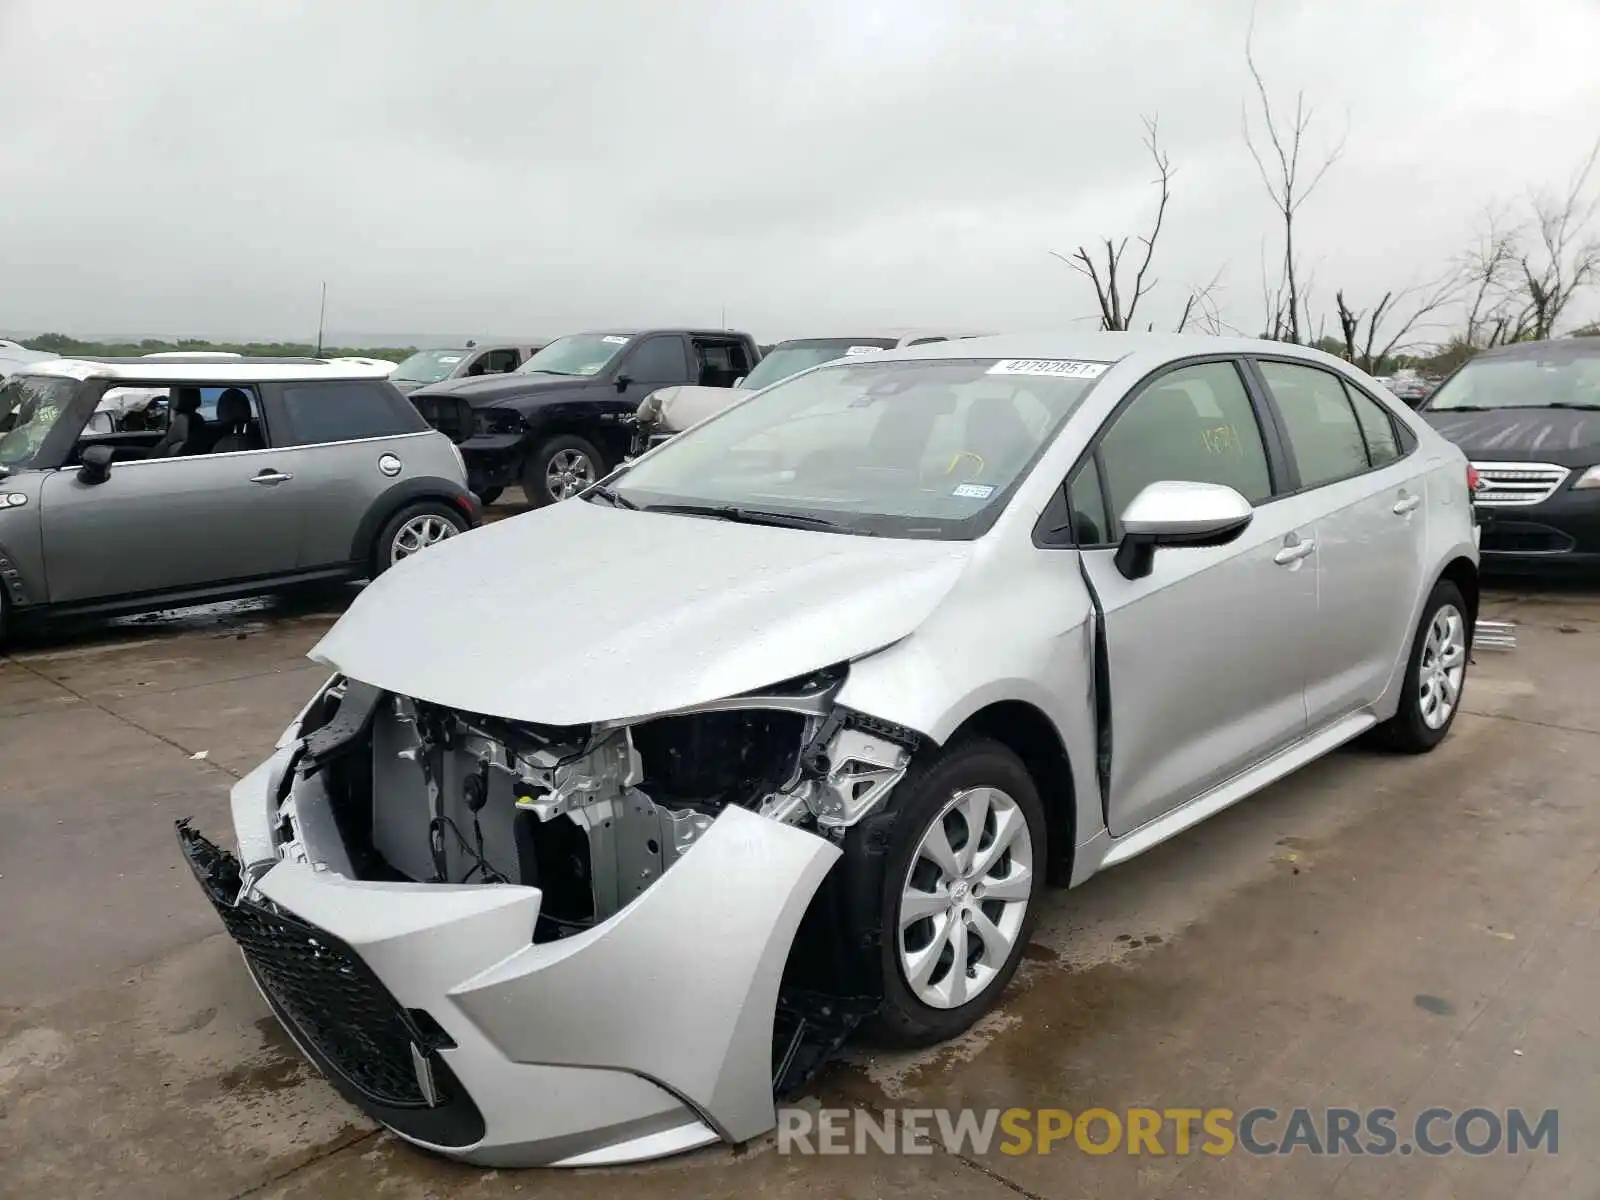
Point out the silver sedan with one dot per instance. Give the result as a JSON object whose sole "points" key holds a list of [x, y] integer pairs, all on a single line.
{"points": [[618, 817]]}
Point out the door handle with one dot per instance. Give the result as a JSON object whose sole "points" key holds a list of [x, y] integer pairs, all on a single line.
{"points": [[1406, 503], [1293, 552], [271, 477]]}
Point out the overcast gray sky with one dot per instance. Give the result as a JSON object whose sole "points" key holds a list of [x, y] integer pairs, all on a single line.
{"points": [[197, 166]]}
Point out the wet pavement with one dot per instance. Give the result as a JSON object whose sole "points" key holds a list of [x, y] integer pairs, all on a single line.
{"points": [[1374, 932]]}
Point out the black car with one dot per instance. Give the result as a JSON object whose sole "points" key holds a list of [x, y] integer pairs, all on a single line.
{"points": [[565, 417], [1528, 417]]}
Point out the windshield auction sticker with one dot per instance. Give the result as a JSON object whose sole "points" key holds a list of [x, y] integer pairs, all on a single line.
{"points": [[1057, 368]]}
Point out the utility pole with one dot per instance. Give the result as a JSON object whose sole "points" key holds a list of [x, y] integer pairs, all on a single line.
{"points": [[322, 313]]}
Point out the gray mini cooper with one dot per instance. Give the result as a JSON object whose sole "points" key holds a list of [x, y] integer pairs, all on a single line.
{"points": [[129, 484]]}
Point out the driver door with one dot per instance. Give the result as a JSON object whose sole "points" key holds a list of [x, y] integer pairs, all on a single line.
{"points": [[169, 524], [1206, 653]]}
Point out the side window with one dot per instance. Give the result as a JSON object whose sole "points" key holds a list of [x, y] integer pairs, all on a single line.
{"points": [[345, 411], [657, 360], [498, 362], [721, 363], [1194, 424], [1088, 505], [1320, 423], [1377, 426]]}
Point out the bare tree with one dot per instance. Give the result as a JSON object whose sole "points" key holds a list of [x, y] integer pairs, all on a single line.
{"points": [[1201, 311], [1566, 257], [1373, 336], [1105, 272], [1496, 311], [1289, 182]]}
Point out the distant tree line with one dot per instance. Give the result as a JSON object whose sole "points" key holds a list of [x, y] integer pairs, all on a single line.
{"points": [[70, 347]]}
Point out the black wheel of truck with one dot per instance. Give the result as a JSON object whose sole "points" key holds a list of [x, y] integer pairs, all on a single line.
{"points": [[489, 495], [559, 468]]}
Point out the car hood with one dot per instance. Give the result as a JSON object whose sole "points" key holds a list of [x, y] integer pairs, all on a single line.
{"points": [[581, 612], [1566, 437], [479, 390], [676, 408]]}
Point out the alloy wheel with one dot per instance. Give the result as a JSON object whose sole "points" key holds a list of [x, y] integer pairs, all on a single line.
{"points": [[1443, 666], [418, 534], [568, 473], [965, 896]]}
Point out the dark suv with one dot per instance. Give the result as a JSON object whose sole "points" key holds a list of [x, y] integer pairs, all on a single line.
{"points": [[565, 417]]}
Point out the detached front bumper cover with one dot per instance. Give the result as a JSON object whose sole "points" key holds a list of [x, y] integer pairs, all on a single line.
{"points": [[430, 1007], [374, 1052]]}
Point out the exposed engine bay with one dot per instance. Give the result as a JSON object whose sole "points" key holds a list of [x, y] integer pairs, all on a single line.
{"points": [[590, 815]]}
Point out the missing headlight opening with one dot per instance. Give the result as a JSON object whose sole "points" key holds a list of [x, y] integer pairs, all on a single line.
{"points": [[592, 815]]}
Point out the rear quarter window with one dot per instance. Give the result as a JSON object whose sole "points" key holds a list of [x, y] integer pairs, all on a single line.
{"points": [[346, 412]]}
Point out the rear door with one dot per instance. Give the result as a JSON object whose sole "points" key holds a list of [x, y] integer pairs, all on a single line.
{"points": [[345, 442], [1369, 495], [1205, 652], [168, 523]]}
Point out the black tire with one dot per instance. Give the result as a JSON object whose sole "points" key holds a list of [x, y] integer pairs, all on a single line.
{"points": [[383, 553], [489, 495], [904, 1019], [536, 467], [1409, 731]]}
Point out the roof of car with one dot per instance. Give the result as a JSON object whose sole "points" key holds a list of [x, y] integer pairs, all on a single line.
{"points": [[210, 370], [1105, 347], [637, 332], [1565, 347]]}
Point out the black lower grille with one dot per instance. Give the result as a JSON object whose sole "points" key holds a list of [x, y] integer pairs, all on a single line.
{"points": [[335, 1002], [1524, 537]]}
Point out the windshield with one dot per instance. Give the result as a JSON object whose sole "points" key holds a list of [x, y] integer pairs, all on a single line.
{"points": [[1558, 379], [579, 354], [790, 358], [30, 405], [428, 366], [928, 449]]}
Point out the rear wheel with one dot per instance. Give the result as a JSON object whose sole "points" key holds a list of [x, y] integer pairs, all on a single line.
{"points": [[559, 468], [1435, 676], [960, 891], [412, 530]]}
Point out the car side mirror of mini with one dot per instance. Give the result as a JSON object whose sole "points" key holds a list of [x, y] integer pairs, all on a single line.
{"points": [[95, 465], [624, 381], [1178, 513]]}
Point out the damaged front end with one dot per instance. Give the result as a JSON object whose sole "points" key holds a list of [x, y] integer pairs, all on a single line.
{"points": [[659, 925]]}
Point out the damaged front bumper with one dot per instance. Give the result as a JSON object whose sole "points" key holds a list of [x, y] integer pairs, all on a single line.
{"points": [[666, 1023]]}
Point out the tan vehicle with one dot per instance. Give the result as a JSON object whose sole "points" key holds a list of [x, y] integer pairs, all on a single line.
{"points": [[671, 410]]}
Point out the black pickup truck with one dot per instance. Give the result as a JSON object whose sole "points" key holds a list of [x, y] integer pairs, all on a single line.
{"points": [[563, 418]]}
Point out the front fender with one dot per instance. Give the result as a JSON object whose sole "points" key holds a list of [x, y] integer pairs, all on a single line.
{"points": [[22, 566]]}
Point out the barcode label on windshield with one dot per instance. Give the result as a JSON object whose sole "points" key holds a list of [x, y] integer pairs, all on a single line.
{"points": [[1059, 368]]}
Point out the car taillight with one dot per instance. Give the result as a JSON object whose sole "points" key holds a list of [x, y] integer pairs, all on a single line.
{"points": [[1472, 480]]}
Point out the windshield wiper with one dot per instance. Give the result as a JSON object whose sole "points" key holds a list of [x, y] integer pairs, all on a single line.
{"points": [[1449, 408], [748, 516], [618, 500], [1581, 405]]}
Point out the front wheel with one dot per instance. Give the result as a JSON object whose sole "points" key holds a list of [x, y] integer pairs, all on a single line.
{"points": [[1435, 675], [960, 891], [412, 530], [559, 468]]}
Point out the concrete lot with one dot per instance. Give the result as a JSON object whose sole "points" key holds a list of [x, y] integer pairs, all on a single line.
{"points": [[1374, 932]]}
